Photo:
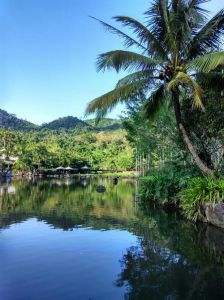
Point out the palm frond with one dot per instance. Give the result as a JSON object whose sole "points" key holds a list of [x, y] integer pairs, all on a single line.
{"points": [[185, 19], [196, 3], [121, 59], [207, 63], [184, 79], [209, 37], [144, 35], [212, 80], [195, 11], [128, 41], [180, 29], [158, 18], [193, 18], [136, 76], [153, 105], [105, 103]]}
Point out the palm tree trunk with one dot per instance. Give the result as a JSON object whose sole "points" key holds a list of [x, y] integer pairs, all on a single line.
{"points": [[200, 164]]}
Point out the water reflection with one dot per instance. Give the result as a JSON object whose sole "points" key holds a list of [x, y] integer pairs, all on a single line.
{"points": [[163, 257], [74, 201], [174, 260]]}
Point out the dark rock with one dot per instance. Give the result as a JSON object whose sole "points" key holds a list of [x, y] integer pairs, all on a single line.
{"points": [[115, 180], [215, 214], [101, 189], [214, 240]]}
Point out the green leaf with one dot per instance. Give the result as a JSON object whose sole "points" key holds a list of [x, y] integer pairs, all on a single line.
{"points": [[184, 79], [123, 60], [212, 80], [209, 37], [207, 63], [144, 35], [154, 103], [158, 16], [105, 103], [128, 41], [146, 74]]}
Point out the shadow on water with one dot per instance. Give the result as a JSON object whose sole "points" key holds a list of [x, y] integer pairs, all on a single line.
{"points": [[172, 258]]}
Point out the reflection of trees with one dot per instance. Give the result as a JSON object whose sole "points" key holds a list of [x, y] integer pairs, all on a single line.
{"points": [[152, 272], [173, 259], [170, 261], [67, 204]]}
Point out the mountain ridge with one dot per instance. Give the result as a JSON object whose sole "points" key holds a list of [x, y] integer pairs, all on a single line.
{"points": [[10, 121], [68, 122]]}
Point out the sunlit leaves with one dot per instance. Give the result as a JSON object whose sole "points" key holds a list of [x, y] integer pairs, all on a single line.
{"points": [[207, 63], [185, 80]]}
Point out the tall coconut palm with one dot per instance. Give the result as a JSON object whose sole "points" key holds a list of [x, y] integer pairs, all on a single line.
{"points": [[176, 44]]}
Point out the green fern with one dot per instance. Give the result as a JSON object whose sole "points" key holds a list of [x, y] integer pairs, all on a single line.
{"points": [[201, 191]]}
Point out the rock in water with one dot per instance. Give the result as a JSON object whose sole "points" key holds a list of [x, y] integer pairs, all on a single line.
{"points": [[215, 214], [101, 189]]}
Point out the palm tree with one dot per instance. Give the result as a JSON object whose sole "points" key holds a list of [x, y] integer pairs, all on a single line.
{"points": [[176, 44]]}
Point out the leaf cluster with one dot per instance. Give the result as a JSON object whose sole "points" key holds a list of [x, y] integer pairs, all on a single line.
{"points": [[200, 191]]}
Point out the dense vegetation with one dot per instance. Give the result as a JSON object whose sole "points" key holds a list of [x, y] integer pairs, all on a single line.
{"points": [[65, 123], [61, 144], [11, 122], [105, 124], [178, 50], [174, 97]]}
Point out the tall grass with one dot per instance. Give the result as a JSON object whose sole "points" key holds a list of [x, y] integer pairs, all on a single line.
{"points": [[198, 192]]}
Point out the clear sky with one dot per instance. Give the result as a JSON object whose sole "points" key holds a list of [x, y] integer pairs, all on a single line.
{"points": [[48, 51]]}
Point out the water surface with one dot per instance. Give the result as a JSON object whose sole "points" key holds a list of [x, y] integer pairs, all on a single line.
{"points": [[60, 239]]}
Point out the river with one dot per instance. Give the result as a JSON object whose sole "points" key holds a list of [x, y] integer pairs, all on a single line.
{"points": [[61, 239]]}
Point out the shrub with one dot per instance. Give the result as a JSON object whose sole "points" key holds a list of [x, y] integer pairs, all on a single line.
{"points": [[163, 184], [198, 192]]}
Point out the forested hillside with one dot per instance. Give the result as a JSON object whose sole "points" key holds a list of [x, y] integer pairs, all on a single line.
{"points": [[11, 122], [108, 150], [106, 124], [66, 141], [66, 123]]}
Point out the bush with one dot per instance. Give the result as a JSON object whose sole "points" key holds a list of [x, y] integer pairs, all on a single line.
{"points": [[163, 184], [198, 192]]}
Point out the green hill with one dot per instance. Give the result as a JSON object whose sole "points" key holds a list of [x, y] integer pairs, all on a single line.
{"points": [[65, 123], [106, 124], [11, 122]]}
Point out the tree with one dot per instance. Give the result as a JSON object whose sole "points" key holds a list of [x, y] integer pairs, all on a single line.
{"points": [[176, 45], [159, 138], [206, 128]]}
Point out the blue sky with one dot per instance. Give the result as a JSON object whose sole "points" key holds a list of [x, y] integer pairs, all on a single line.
{"points": [[48, 51]]}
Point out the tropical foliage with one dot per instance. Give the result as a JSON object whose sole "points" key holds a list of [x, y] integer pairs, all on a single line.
{"points": [[10, 122], [162, 184], [107, 150], [199, 192], [176, 45]]}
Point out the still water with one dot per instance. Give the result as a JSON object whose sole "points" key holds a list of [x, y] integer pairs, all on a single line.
{"points": [[60, 239]]}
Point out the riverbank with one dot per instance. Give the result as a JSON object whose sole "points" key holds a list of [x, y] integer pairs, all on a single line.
{"points": [[50, 173], [198, 198]]}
